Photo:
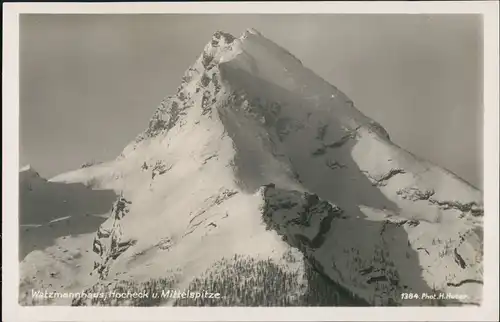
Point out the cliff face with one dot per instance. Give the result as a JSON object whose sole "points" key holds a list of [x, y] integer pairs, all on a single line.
{"points": [[256, 158]]}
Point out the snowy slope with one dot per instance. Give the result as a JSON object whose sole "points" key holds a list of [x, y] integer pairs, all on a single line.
{"points": [[57, 224], [257, 156]]}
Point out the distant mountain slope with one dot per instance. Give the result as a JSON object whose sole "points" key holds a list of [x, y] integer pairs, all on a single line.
{"points": [[256, 158], [56, 221]]}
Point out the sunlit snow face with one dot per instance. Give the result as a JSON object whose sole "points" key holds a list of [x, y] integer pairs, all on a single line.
{"points": [[249, 159], [407, 80]]}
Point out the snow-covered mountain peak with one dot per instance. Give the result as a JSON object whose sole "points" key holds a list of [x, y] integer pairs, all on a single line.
{"points": [[252, 31], [255, 155], [221, 43], [26, 167], [257, 75]]}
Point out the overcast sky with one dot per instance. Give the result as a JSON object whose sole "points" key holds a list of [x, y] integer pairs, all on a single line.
{"points": [[90, 83]]}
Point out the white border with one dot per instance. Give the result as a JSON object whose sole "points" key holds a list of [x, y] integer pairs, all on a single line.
{"points": [[10, 112]]}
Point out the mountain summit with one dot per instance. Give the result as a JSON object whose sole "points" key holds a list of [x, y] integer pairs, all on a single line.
{"points": [[265, 183]]}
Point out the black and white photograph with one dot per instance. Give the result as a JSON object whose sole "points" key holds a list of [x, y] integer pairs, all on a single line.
{"points": [[263, 160]]}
